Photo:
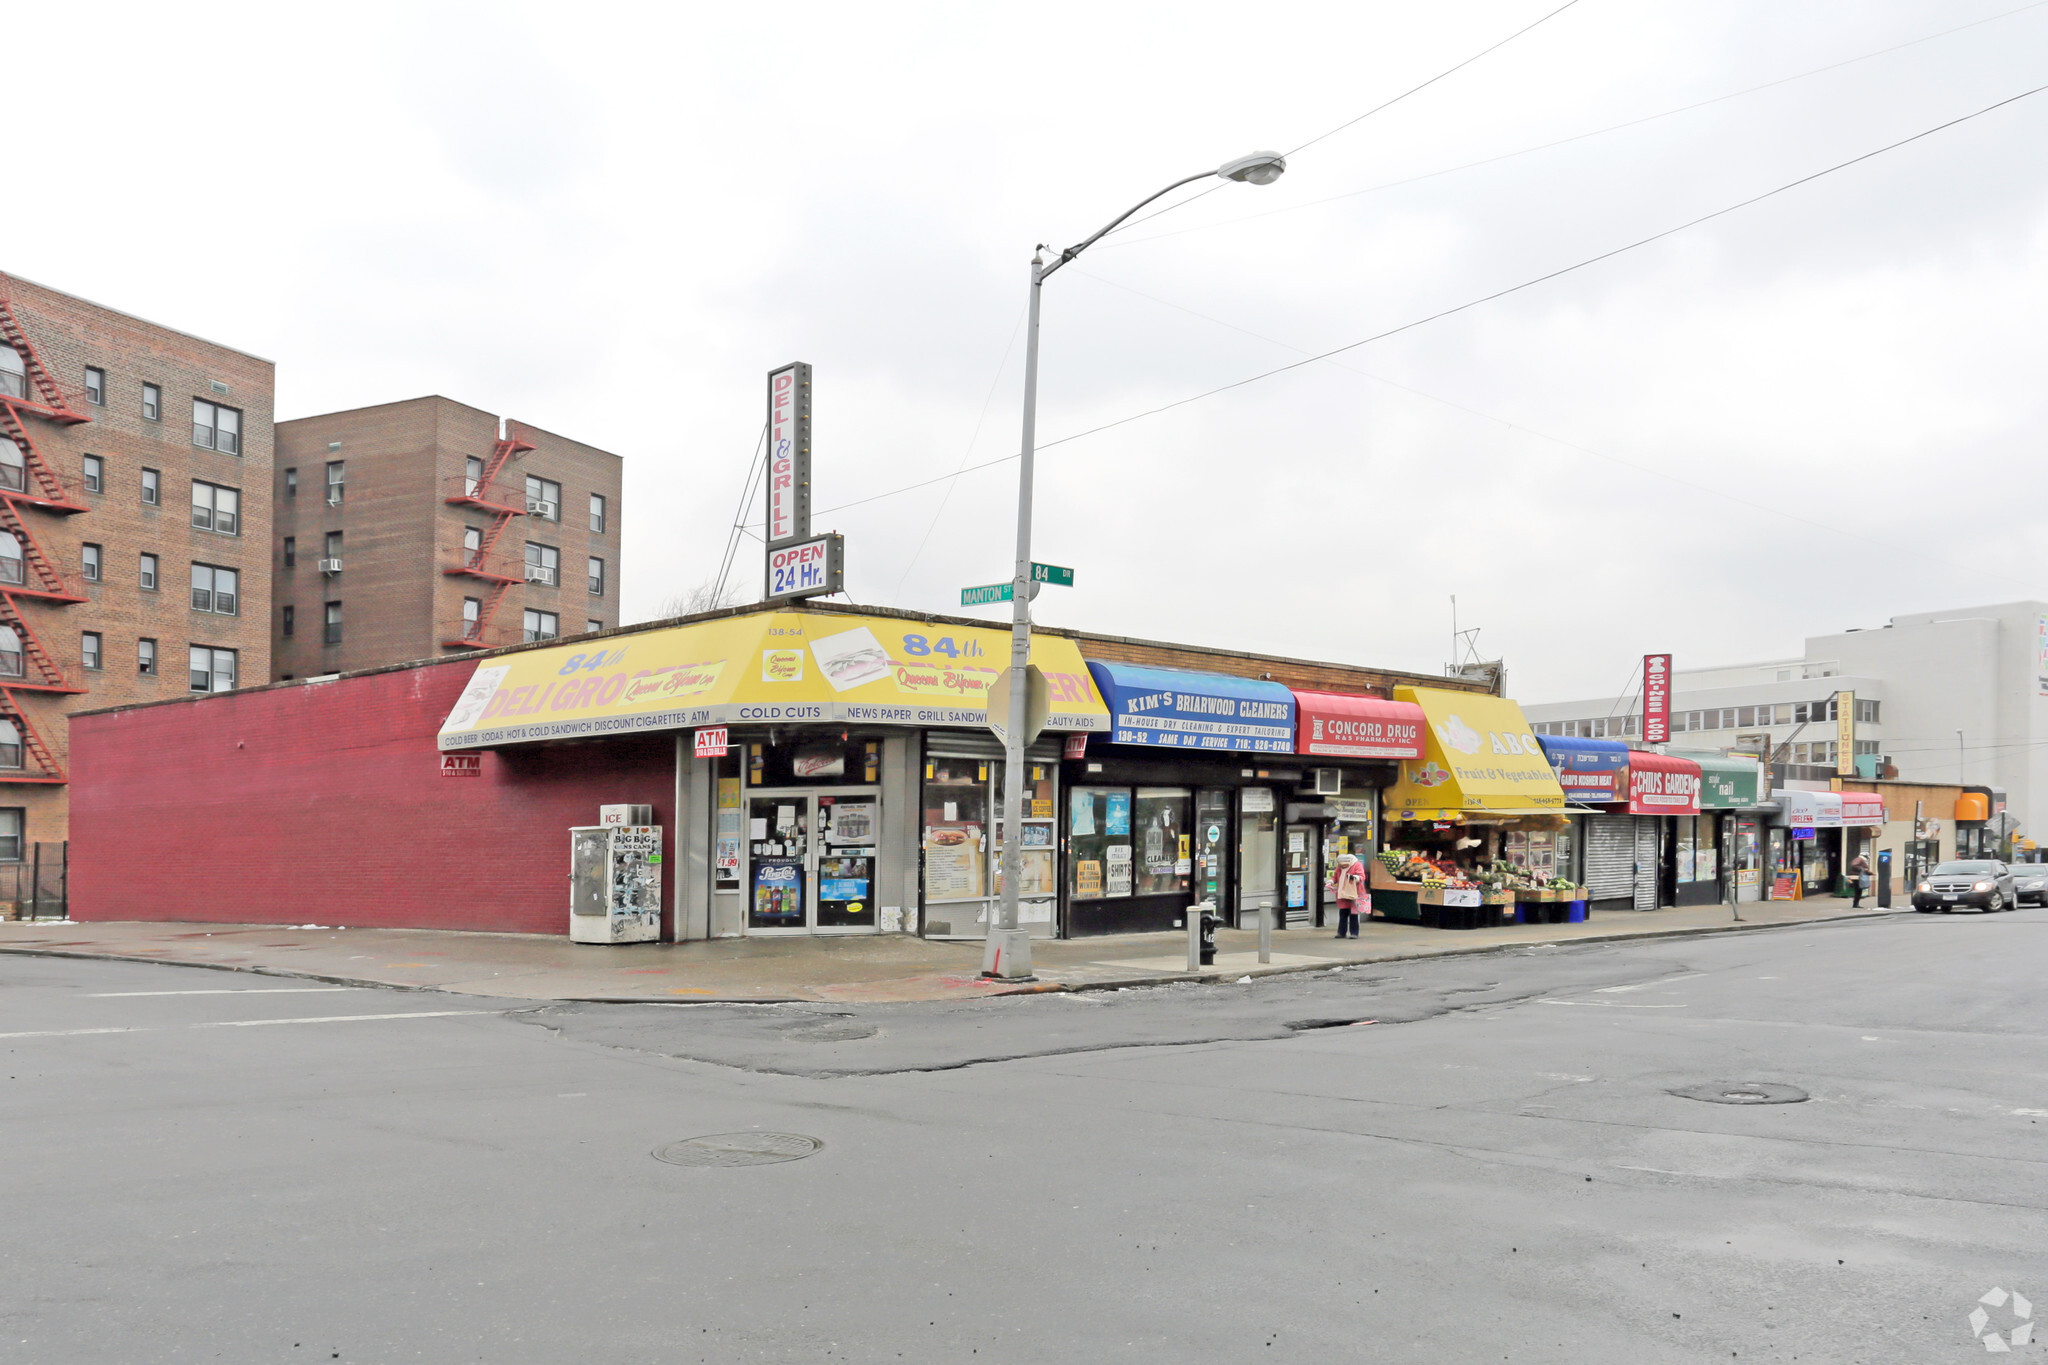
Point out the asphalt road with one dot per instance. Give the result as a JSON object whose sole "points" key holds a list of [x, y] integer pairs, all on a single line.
{"points": [[208, 1166]]}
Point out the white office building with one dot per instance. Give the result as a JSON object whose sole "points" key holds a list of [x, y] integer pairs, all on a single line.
{"points": [[1948, 696]]}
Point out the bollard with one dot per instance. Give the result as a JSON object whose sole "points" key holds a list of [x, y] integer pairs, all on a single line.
{"points": [[1193, 919], [1265, 931]]}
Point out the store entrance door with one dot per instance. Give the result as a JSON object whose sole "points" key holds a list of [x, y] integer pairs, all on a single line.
{"points": [[1304, 876], [811, 861], [1258, 856]]}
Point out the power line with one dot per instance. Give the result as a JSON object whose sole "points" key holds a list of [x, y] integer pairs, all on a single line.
{"points": [[739, 516], [1459, 308], [1578, 137], [1388, 104]]}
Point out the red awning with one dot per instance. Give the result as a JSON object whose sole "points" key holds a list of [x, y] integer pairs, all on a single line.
{"points": [[1660, 784], [1338, 725], [1862, 808]]}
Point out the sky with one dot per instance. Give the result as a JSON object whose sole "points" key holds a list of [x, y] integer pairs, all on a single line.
{"points": [[1807, 414]]}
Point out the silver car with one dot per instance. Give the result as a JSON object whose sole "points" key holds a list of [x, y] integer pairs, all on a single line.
{"points": [[1977, 883], [2029, 883]]}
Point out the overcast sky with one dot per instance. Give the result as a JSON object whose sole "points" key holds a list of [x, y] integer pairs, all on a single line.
{"points": [[612, 220]]}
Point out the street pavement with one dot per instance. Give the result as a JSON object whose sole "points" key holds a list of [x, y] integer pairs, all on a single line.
{"points": [[867, 967], [1471, 1158]]}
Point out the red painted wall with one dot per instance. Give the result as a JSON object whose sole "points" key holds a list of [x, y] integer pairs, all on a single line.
{"points": [[324, 804]]}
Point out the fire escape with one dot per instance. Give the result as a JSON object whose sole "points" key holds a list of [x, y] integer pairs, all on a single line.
{"points": [[28, 481], [490, 564]]}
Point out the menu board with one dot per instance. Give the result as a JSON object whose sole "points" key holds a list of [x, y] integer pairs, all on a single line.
{"points": [[952, 862]]}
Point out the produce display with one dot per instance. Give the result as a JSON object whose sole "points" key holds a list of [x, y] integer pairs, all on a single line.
{"points": [[1409, 866]]}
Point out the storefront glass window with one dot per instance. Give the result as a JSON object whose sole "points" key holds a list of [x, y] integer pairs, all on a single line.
{"points": [[1706, 862], [1099, 842], [1163, 849], [1685, 841], [956, 829], [1041, 805]]}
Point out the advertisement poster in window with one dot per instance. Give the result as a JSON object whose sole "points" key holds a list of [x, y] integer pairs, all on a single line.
{"points": [[1037, 880], [1088, 879], [1117, 814], [952, 862], [1118, 858], [725, 852], [1083, 821], [778, 893]]}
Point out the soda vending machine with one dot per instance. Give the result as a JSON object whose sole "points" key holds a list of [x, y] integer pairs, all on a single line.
{"points": [[615, 884]]}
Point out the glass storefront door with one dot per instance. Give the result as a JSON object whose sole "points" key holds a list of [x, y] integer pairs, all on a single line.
{"points": [[811, 861], [1258, 855], [1211, 836]]}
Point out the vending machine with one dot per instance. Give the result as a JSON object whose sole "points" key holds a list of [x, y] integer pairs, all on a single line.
{"points": [[615, 884]]}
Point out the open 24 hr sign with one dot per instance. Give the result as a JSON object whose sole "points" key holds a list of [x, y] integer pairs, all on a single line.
{"points": [[807, 568]]}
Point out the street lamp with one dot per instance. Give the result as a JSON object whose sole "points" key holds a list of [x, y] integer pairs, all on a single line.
{"points": [[1008, 951]]}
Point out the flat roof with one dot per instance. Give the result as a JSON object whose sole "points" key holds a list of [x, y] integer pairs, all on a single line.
{"points": [[122, 312]]}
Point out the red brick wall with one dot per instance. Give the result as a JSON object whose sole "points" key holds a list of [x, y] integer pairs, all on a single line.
{"points": [[324, 804]]}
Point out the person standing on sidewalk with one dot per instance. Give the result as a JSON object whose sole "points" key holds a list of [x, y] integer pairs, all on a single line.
{"points": [[1352, 897], [1859, 869]]}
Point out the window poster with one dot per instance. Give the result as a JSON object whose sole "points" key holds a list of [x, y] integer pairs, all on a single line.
{"points": [[1037, 878], [1118, 860], [1084, 813], [952, 862], [1088, 878], [778, 894], [1116, 817]]}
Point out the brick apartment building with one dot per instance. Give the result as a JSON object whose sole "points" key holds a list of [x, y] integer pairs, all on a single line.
{"points": [[409, 530], [135, 471]]}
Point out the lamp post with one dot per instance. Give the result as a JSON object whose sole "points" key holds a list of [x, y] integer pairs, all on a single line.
{"points": [[1008, 951]]}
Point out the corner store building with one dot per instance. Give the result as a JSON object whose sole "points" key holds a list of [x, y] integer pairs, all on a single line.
{"points": [[440, 794]]}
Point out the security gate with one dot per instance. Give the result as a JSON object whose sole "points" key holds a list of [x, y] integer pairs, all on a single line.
{"points": [[1610, 857], [1647, 861]]}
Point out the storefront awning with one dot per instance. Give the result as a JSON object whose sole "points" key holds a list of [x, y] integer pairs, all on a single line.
{"points": [[1829, 810], [1729, 783], [771, 667], [1479, 756], [1587, 769], [1338, 725], [1662, 784], [1862, 809], [1174, 709]]}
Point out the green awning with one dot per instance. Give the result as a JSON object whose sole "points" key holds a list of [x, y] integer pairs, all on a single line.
{"points": [[1728, 783]]}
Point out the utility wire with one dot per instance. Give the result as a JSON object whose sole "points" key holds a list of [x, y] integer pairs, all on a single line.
{"points": [[739, 516], [1577, 137], [1459, 308], [1388, 104]]}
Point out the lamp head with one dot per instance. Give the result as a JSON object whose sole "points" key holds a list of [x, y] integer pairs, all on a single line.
{"points": [[1259, 168]]}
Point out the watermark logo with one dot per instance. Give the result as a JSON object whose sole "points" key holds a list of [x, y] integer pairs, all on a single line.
{"points": [[2022, 1313]]}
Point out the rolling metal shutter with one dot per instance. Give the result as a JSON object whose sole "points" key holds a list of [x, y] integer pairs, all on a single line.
{"points": [[1610, 856], [1646, 861]]}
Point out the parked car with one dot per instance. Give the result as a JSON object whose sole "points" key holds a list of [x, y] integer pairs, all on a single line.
{"points": [[2030, 883], [1980, 883]]}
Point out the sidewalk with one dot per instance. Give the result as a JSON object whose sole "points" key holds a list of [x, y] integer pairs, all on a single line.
{"points": [[891, 967]]}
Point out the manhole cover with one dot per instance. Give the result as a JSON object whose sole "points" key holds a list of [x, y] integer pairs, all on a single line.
{"points": [[1743, 1092], [738, 1149]]}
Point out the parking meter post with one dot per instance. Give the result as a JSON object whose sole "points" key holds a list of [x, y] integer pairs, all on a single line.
{"points": [[1884, 879], [1265, 931]]}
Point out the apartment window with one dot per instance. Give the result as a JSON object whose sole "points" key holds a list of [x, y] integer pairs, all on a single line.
{"points": [[152, 488], [334, 623], [216, 428], [1866, 711], [12, 822], [543, 564], [593, 625], [10, 757], [95, 474], [596, 576], [11, 567], [89, 650], [215, 508], [13, 372], [215, 589], [333, 545], [94, 560], [13, 468], [1866, 746], [472, 541], [472, 613], [291, 552], [145, 658], [152, 403], [95, 385], [337, 481], [543, 498], [542, 625], [212, 670], [147, 574], [13, 663], [597, 513], [291, 483], [291, 619], [472, 475]]}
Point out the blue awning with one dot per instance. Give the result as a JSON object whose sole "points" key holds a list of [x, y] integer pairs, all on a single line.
{"points": [[1171, 708], [1587, 769]]}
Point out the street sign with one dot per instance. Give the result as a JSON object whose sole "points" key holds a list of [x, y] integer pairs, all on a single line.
{"points": [[1037, 704], [993, 592], [1053, 574]]}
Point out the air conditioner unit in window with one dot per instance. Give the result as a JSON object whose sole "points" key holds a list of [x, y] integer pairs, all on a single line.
{"points": [[538, 573], [540, 507], [1327, 781], [330, 566]]}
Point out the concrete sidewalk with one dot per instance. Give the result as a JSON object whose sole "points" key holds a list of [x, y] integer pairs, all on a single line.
{"points": [[878, 968]]}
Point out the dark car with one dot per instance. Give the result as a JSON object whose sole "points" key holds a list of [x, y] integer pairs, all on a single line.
{"points": [[2030, 883], [1979, 883]]}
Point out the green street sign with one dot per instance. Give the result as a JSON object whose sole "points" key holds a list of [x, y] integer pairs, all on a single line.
{"points": [[1053, 574], [981, 597]]}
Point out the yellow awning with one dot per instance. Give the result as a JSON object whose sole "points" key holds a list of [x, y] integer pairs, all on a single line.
{"points": [[775, 667], [1479, 755]]}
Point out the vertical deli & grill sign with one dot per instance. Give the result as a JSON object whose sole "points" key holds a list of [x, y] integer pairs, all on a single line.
{"points": [[1656, 698], [789, 454]]}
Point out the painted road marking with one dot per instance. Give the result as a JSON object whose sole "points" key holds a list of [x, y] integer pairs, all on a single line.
{"points": [[236, 990], [251, 1023], [1610, 1004], [1617, 990]]}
